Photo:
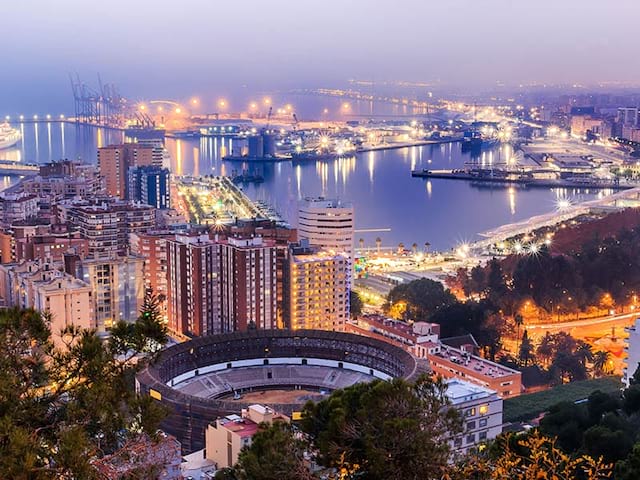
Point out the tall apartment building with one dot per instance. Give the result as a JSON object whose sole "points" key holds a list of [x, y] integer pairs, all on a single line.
{"points": [[117, 285], [221, 285], [193, 285], [107, 225], [281, 236], [248, 284], [153, 246], [628, 116], [150, 185], [327, 224], [316, 289], [114, 162]]}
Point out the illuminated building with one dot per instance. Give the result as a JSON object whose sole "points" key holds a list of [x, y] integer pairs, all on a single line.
{"points": [[117, 285], [481, 412], [193, 285], [327, 224], [316, 289], [150, 185], [114, 162], [107, 224]]}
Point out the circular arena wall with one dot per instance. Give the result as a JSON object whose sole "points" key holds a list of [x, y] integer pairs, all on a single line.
{"points": [[190, 415]]}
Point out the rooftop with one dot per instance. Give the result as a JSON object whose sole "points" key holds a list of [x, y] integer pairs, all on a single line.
{"points": [[460, 391]]}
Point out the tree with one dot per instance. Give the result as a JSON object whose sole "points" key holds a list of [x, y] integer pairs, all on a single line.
{"points": [[60, 407], [611, 445], [629, 468], [274, 453], [422, 297], [601, 365], [356, 303], [390, 429], [533, 457], [525, 353]]}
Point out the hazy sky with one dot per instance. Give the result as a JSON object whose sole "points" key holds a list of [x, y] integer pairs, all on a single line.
{"points": [[155, 48]]}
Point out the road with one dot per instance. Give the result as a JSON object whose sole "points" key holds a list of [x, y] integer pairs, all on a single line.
{"points": [[592, 327]]}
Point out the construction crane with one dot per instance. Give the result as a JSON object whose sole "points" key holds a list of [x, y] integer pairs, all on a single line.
{"points": [[268, 119], [296, 122]]}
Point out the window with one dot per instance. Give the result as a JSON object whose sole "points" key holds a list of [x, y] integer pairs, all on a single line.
{"points": [[484, 409], [471, 425], [469, 412], [457, 442], [483, 422], [482, 436], [471, 438]]}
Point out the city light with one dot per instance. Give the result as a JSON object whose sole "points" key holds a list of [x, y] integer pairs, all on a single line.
{"points": [[266, 101], [222, 103]]}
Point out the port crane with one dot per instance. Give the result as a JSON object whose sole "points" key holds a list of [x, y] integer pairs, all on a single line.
{"points": [[266, 128]]}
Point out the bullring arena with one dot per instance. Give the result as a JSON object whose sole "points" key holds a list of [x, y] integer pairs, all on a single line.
{"points": [[218, 375]]}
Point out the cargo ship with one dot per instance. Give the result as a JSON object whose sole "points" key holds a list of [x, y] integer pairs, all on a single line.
{"points": [[8, 136]]}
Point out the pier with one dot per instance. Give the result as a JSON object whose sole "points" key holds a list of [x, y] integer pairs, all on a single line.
{"points": [[507, 178]]}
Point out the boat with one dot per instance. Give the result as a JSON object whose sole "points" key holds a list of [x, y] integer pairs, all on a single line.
{"points": [[8, 136]]}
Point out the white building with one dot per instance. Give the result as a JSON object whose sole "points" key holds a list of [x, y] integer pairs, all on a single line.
{"points": [[481, 411], [327, 224], [632, 350], [316, 289]]}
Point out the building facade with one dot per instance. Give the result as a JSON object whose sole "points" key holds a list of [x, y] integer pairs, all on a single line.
{"points": [[316, 291], [632, 352], [150, 185], [481, 411], [114, 162]]}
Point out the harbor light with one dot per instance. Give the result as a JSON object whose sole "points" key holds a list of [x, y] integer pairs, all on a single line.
{"points": [[178, 110], [142, 107], [35, 117], [7, 118], [195, 101], [222, 103], [48, 116], [266, 100], [61, 116], [21, 117]]}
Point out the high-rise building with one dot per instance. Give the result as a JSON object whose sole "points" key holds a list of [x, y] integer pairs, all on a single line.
{"points": [[628, 116], [153, 247], [193, 285], [117, 285], [327, 224], [221, 285], [248, 284], [150, 185], [107, 224], [316, 289], [281, 236], [114, 162]]}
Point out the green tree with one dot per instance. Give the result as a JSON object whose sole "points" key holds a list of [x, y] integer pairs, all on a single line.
{"points": [[611, 445], [629, 468], [601, 360], [390, 430], [356, 303], [422, 297], [60, 407], [525, 353]]}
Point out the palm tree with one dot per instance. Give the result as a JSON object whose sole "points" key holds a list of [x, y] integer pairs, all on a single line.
{"points": [[601, 360], [584, 352], [361, 243], [414, 248], [546, 348], [400, 247], [426, 247], [518, 320], [378, 243]]}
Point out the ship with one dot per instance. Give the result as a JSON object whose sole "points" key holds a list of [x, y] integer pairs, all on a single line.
{"points": [[8, 136]]}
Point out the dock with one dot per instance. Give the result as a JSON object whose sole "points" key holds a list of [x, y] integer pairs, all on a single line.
{"points": [[8, 167], [507, 179]]}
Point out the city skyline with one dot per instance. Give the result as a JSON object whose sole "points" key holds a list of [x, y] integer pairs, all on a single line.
{"points": [[204, 48]]}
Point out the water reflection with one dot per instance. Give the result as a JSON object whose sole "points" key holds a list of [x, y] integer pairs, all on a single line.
{"points": [[378, 183]]}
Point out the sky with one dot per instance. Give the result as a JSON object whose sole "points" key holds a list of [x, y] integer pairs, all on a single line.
{"points": [[161, 49]]}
